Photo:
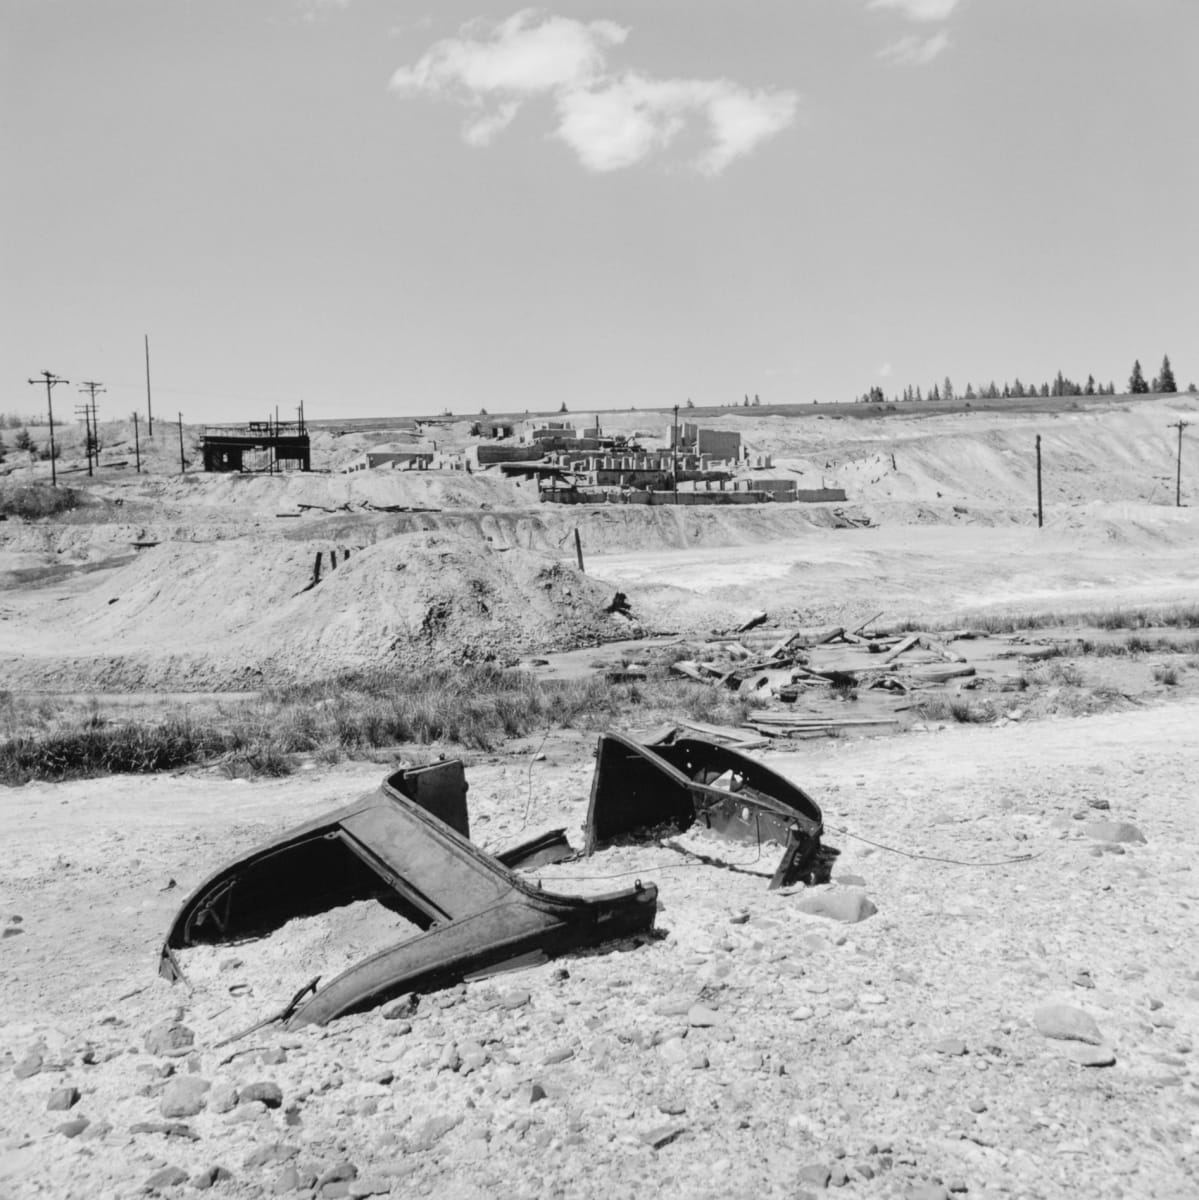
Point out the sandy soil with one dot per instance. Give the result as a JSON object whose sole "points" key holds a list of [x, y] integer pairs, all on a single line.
{"points": [[899, 1051]]}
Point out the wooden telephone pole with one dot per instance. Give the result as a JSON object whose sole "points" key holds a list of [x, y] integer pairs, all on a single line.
{"points": [[90, 426], [1180, 425], [51, 379]]}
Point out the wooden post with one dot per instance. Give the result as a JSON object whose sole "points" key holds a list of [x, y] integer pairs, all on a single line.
{"points": [[579, 549], [1181, 425], [1040, 509], [149, 410], [182, 461], [137, 446]]}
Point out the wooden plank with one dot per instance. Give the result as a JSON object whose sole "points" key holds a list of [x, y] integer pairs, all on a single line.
{"points": [[938, 673], [907, 643], [944, 651], [724, 733], [688, 669]]}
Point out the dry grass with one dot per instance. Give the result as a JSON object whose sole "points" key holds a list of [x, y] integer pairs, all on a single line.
{"points": [[347, 716]]}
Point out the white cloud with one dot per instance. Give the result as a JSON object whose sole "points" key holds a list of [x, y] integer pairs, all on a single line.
{"points": [[919, 10], [915, 51], [611, 120]]}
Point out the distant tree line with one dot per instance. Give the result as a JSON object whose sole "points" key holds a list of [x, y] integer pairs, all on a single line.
{"points": [[1061, 385]]}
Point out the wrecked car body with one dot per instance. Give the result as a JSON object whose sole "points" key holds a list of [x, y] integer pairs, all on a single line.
{"points": [[682, 781], [407, 846]]}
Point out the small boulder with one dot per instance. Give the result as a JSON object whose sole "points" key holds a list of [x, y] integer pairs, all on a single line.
{"points": [[183, 1096], [849, 906], [265, 1092], [206, 1178], [1091, 1056], [62, 1099], [168, 1177], [169, 1039], [1119, 832], [1067, 1023]]}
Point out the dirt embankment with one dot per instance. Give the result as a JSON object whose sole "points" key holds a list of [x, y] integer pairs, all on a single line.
{"points": [[236, 613]]}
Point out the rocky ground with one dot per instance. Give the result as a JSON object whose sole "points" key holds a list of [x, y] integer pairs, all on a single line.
{"points": [[1017, 1018]]}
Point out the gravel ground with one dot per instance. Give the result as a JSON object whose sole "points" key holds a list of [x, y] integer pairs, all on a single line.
{"points": [[752, 1049]]}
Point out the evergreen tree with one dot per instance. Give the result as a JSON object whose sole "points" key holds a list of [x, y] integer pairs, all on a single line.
{"points": [[2, 449], [757, 399], [935, 394], [947, 389], [1136, 381], [970, 392], [1007, 392], [1165, 378], [24, 440], [1044, 389], [1192, 389], [918, 396], [1089, 390]]}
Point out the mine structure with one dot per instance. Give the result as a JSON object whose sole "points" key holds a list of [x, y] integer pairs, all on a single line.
{"points": [[273, 445]]}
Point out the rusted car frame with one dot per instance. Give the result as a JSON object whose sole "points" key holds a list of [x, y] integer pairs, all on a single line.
{"points": [[682, 781], [407, 846]]}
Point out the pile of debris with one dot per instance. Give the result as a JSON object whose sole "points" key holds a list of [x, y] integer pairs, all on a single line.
{"points": [[797, 664]]}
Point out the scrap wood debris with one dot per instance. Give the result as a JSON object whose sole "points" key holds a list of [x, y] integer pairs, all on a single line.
{"points": [[787, 665]]}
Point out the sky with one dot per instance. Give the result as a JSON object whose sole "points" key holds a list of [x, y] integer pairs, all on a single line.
{"points": [[376, 207]]}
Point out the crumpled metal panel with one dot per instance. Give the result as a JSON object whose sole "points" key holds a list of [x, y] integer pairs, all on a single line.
{"points": [[686, 780], [406, 846]]}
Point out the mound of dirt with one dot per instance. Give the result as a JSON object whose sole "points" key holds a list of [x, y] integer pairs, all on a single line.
{"points": [[227, 614]]}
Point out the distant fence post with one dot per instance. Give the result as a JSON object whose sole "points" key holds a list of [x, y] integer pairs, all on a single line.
{"points": [[579, 549], [1040, 509]]}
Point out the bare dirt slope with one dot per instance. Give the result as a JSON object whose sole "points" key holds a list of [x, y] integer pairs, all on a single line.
{"points": [[896, 1054]]}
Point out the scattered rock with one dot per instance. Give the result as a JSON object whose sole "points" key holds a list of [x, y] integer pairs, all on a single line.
{"points": [[432, 1131], [74, 1127], [265, 1092], [701, 1017], [515, 1000], [205, 1179], [62, 1099], [223, 1098], [1120, 832], [277, 1152], [405, 1006], [815, 1175], [927, 1191], [663, 1135], [561, 1054], [672, 1108], [168, 1177], [849, 907], [954, 1047], [183, 1096], [1091, 1056], [169, 1039], [370, 1185], [1069, 1024], [29, 1066], [530, 1093]]}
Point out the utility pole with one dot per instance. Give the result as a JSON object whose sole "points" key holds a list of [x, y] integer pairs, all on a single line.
{"points": [[149, 410], [1180, 425], [137, 446], [51, 379], [182, 462], [674, 455], [1040, 510], [89, 421]]}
